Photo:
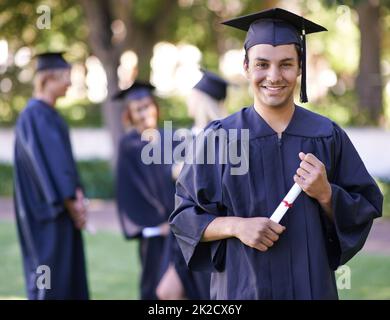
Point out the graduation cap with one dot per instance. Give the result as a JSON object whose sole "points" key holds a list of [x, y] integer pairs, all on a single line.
{"points": [[277, 27], [212, 85], [51, 60], [136, 91]]}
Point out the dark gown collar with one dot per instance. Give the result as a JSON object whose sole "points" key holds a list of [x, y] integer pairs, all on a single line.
{"points": [[134, 137], [304, 123], [39, 102], [133, 133]]}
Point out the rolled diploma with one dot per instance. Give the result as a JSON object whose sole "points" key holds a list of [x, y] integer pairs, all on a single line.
{"points": [[90, 228], [286, 203], [150, 232]]}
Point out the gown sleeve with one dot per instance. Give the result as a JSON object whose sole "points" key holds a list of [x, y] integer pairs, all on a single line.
{"points": [[198, 201], [356, 201], [45, 148], [52, 147], [138, 204]]}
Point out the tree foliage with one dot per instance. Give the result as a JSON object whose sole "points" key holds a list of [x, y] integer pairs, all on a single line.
{"points": [[106, 28]]}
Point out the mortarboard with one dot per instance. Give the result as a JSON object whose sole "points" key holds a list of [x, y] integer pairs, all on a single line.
{"points": [[277, 27], [136, 91], [213, 85], [51, 60]]}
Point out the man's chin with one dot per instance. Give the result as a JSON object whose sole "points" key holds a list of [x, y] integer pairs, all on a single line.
{"points": [[274, 103], [62, 94]]}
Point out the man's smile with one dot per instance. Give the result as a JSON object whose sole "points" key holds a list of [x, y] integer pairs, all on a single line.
{"points": [[273, 89]]}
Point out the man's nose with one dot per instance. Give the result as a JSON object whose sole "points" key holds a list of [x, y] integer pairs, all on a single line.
{"points": [[273, 74]]}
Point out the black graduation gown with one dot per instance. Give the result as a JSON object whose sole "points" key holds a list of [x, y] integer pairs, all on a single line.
{"points": [[145, 198], [45, 175], [196, 284], [301, 263]]}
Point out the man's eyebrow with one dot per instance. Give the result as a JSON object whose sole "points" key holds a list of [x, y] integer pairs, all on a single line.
{"points": [[287, 59], [267, 60], [261, 59]]}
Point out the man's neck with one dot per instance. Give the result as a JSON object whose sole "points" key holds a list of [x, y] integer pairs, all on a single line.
{"points": [[48, 98], [277, 118]]}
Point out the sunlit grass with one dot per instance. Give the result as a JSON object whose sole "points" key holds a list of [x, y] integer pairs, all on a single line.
{"points": [[370, 277], [113, 267]]}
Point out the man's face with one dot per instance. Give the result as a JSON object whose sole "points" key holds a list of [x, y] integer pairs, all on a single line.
{"points": [[60, 82], [272, 72], [143, 113]]}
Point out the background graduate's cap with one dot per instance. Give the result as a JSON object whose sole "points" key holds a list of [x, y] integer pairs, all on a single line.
{"points": [[136, 91], [51, 60], [213, 85], [277, 27]]}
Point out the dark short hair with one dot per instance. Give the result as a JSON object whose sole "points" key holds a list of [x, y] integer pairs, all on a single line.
{"points": [[297, 48]]}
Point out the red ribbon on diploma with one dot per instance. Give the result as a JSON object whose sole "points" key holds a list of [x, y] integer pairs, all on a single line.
{"points": [[286, 204]]}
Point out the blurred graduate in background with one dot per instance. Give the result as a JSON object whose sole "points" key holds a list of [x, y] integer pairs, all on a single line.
{"points": [[144, 192], [204, 103], [48, 196]]}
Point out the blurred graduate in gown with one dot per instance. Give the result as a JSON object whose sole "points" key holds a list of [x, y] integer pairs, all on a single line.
{"points": [[204, 104], [144, 190], [48, 195], [205, 101]]}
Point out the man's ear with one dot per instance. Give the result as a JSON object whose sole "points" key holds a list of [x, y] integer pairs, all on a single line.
{"points": [[245, 65]]}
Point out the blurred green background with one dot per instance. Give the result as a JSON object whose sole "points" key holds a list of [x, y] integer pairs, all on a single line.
{"points": [[349, 66]]}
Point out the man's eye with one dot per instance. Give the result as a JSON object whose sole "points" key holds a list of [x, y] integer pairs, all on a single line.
{"points": [[261, 65], [286, 64]]}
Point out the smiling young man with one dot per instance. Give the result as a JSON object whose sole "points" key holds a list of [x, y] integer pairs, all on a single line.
{"points": [[221, 221]]}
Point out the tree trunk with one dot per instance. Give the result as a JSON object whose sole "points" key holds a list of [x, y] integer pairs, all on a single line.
{"points": [[98, 16], [140, 37], [143, 44], [112, 110], [369, 80]]}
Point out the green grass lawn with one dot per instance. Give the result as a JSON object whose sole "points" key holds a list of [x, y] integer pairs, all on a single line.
{"points": [[113, 267]]}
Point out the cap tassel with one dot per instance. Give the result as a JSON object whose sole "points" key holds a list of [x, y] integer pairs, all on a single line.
{"points": [[303, 66]]}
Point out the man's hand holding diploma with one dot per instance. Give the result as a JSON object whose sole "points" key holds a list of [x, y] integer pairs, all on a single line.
{"points": [[312, 178], [261, 233]]}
